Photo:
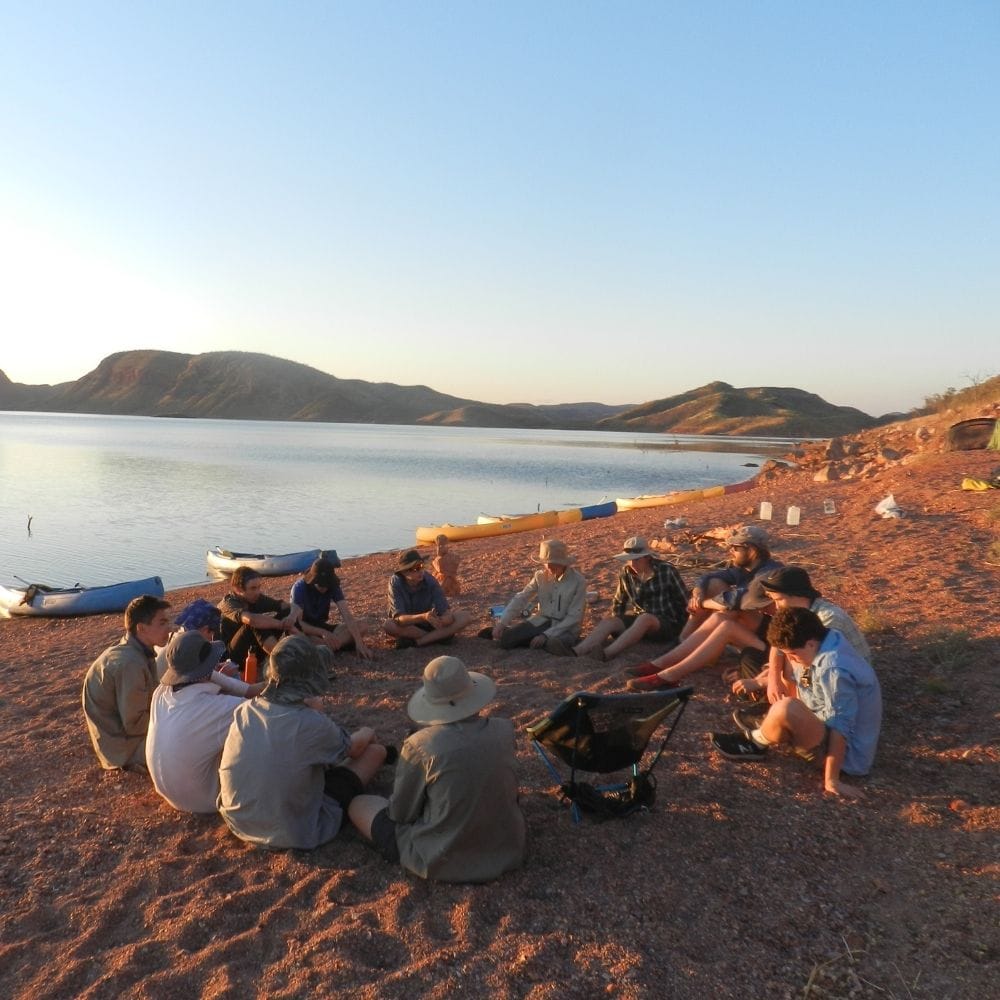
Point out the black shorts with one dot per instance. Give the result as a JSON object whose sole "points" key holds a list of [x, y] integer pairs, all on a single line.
{"points": [[342, 784], [384, 836]]}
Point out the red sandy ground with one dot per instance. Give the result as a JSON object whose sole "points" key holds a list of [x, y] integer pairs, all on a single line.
{"points": [[743, 881]]}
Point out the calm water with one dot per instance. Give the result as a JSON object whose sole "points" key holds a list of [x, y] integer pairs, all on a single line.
{"points": [[115, 498]]}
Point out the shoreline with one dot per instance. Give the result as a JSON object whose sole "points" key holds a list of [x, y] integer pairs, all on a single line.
{"points": [[108, 891]]}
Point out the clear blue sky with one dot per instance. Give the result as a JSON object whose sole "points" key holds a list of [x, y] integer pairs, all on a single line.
{"points": [[539, 202]]}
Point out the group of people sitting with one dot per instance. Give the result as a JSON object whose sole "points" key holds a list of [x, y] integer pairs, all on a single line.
{"points": [[282, 774]]}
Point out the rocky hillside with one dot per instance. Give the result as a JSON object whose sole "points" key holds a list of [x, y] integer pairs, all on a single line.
{"points": [[718, 408], [240, 385]]}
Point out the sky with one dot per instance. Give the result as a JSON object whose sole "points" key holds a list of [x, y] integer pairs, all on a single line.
{"points": [[512, 202]]}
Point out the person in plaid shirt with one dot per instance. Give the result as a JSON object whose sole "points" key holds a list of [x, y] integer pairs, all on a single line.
{"points": [[650, 603]]}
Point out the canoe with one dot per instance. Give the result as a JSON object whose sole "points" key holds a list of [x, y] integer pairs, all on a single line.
{"points": [[222, 561], [463, 532], [567, 516], [50, 602], [682, 496]]}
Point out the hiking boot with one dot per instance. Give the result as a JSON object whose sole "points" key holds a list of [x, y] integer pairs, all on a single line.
{"points": [[750, 717], [404, 643], [641, 670], [737, 746]]}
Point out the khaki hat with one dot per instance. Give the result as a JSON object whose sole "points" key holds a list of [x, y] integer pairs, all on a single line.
{"points": [[191, 657], [552, 550], [450, 692], [754, 598], [635, 548]]}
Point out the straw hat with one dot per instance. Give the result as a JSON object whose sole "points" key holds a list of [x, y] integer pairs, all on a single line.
{"points": [[450, 692], [554, 551]]}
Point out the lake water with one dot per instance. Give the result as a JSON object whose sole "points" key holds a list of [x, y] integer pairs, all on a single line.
{"points": [[116, 498]]}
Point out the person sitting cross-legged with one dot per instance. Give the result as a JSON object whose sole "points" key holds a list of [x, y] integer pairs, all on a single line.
{"points": [[420, 614], [558, 592], [288, 771], [313, 595], [835, 717], [251, 620], [454, 813], [650, 602]]}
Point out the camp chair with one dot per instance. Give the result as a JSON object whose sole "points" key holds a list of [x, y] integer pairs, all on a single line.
{"points": [[602, 733]]}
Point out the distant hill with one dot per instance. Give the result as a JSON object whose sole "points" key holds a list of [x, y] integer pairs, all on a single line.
{"points": [[240, 385], [718, 408]]}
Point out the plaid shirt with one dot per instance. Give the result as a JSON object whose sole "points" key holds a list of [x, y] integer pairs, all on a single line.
{"points": [[663, 595]]}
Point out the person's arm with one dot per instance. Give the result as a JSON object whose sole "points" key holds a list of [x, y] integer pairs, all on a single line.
{"points": [[620, 599], [777, 683], [409, 790], [354, 627], [133, 693]]}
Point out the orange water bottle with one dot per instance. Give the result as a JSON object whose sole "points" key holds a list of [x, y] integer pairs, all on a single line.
{"points": [[250, 668]]}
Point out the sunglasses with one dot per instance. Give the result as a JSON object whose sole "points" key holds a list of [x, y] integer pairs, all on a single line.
{"points": [[633, 551], [418, 568]]}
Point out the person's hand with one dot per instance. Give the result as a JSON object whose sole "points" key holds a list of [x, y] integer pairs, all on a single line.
{"points": [[838, 788], [745, 685], [695, 603], [537, 643], [255, 689], [365, 652], [775, 690], [229, 668]]}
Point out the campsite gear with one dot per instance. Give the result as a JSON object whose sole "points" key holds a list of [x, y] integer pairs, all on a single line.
{"points": [[765, 510], [604, 733], [967, 435], [792, 517], [250, 668], [888, 507]]}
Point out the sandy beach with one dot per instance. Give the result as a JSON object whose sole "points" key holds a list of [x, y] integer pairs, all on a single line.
{"points": [[742, 881]]}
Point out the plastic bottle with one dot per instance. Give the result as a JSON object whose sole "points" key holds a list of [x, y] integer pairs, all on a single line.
{"points": [[793, 515], [250, 668], [765, 510]]}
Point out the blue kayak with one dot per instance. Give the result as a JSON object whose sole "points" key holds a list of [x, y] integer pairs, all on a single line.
{"points": [[52, 602]]}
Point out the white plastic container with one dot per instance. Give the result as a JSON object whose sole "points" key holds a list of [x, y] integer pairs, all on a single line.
{"points": [[793, 516], [765, 510], [829, 507]]}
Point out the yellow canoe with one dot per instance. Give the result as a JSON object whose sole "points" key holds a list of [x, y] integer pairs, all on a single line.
{"points": [[506, 526], [682, 496]]}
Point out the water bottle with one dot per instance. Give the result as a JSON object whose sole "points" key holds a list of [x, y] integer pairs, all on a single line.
{"points": [[250, 668], [765, 510], [793, 516]]}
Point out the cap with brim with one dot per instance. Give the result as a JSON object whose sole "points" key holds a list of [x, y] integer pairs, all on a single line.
{"points": [[450, 692], [635, 548], [749, 534], [793, 581], [191, 657]]}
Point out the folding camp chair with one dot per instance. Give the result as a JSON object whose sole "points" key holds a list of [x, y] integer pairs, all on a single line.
{"points": [[602, 733]]}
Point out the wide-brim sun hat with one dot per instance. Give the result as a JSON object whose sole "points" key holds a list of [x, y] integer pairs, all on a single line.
{"points": [[450, 692], [190, 658], [635, 548], [552, 550], [754, 598]]}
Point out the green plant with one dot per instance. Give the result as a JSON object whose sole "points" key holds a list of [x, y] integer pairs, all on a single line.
{"points": [[946, 652], [872, 621]]}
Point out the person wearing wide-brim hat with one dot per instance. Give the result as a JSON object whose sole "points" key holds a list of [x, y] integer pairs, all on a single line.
{"points": [[650, 602], [419, 613], [558, 593], [289, 771], [453, 814], [189, 718]]}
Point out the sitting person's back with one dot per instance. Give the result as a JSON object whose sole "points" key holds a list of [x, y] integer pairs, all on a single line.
{"points": [[454, 813], [288, 771]]}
